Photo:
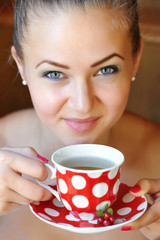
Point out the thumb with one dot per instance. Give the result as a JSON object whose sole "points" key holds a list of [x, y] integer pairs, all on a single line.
{"points": [[150, 186]]}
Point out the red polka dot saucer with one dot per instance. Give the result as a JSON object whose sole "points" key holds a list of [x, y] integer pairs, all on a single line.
{"points": [[126, 208]]}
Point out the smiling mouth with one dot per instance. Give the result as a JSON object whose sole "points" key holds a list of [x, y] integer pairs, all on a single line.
{"points": [[81, 125]]}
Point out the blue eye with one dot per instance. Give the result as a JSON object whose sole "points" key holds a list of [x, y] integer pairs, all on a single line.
{"points": [[109, 70], [54, 75]]}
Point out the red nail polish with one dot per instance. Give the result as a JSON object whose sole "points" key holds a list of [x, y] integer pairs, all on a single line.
{"points": [[135, 189], [42, 159], [126, 228]]}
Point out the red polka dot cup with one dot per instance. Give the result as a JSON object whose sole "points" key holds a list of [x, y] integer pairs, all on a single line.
{"points": [[87, 176]]}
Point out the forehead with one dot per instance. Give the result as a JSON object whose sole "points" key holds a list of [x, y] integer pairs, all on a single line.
{"points": [[75, 32]]}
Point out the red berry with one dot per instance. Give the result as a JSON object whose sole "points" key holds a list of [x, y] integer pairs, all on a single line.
{"points": [[107, 215], [100, 220], [107, 222], [112, 219]]}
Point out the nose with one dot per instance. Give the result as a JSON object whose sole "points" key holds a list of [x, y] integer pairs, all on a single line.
{"points": [[81, 96]]}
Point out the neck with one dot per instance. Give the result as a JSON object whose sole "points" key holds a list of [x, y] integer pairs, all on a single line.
{"points": [[48, 142]]}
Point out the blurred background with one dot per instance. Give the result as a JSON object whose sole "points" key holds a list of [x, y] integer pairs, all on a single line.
{"points": [[145, 91]]}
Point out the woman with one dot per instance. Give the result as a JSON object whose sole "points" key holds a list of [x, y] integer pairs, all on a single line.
{"points": [[78, 59]]}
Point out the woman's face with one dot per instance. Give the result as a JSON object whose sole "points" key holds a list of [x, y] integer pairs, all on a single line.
{"points": [[78, 68]]}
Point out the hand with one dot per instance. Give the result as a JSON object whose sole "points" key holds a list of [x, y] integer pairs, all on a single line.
{"points": [[149, 223], [14, 188]]}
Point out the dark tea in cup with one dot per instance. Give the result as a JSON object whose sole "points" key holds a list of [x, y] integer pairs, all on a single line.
{"points": [[87, 163]]}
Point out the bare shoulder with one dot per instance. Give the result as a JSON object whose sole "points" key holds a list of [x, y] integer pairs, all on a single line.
{"points": [[136, 123], [137, 131], [140, 126], [16, 124], [139, 136]]}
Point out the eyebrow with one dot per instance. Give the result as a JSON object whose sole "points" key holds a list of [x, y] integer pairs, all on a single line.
{"points": [[53, 63], [106, 59], [92, 65]]}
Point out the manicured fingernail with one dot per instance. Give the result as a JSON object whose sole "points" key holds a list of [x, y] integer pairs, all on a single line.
{"points": [[126, 228], [42, 159], [135, 189]]}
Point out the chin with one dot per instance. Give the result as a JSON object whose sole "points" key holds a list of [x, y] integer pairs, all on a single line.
{"points": [[80, 140], [95, 136]]}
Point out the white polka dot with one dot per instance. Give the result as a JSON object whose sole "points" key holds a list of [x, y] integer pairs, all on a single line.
{"points": [[80, 201], [124, 211], [116, 187], [94, 174], [70, 217], [44, 216], [113, 173], [62, 186], [142, 206], [62, 170], [128, 198], [100, 189], [119, 220], [86, 216], [102, 205], [78, 182], [51, 212], [66, 204], [36, 203], [57, 203], [93, 221]]}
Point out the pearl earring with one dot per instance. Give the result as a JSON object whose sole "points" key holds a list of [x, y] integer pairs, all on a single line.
{"points": [[24, 82], [133, 79]]}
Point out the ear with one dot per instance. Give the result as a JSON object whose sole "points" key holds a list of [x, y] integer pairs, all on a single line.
{"points": [[137, 58], [18, 61]]}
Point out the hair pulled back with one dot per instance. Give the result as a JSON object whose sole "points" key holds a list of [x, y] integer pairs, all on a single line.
{"points": [[23, 8]]}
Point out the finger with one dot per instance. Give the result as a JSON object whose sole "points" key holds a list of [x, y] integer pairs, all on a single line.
{"points": [[149, 217], [6, 207], [155, 197], [151, 186], [22, 164], [11, 196], [26, 151], [152, 231], [27, 188]]}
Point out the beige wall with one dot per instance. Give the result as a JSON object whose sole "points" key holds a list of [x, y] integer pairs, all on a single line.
{"points": [[145, 91]]}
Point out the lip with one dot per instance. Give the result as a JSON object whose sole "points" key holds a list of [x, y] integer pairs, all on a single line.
{"points": [[81, 125]]}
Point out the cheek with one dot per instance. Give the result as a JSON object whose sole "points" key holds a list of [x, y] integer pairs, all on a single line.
{"points": [[47, 103], [115, 98]]}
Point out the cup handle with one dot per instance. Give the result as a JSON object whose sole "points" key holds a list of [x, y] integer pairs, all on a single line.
{"points": [[53, 175]]}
